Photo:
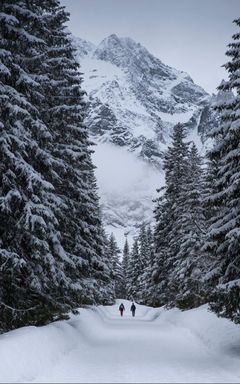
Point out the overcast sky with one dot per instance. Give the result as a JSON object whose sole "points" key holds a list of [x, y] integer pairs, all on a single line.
{"points": [[190, 35]]}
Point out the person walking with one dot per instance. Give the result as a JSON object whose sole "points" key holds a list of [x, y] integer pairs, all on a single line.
{"points": [[133, 309], [121, 309]]}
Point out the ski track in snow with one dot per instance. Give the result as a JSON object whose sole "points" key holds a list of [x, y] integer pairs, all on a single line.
{"points": [[99, 346]]}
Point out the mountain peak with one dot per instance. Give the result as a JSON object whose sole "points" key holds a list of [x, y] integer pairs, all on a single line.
{"points": [[124, 52], [114, 39], [114, 50], [82, 46], [113, 36]]}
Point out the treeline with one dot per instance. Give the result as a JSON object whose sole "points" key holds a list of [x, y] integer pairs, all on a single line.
{"points": [[53, 250], [195, 254]]}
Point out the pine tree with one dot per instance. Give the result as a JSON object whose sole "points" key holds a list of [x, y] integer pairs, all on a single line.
{"points": [[224, 232], [125, 263], [191, 261], [52, 250], [72, 175], [139, 265], [169, 215], [133, 272], [158, 290], [143, 260], [29, 271], [150, 239], [74, 171], [118, 276], [146, 278], [107, 294], [144, 251]]}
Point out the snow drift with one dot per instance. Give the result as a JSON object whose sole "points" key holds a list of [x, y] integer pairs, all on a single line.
{"points": [[99, 346]]}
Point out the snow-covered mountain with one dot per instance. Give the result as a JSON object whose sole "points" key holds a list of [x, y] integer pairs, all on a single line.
{"points": [[133, 102], [134, 98]]}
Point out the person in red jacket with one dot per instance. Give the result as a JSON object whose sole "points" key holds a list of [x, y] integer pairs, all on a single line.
{"points": [[121, 308]]}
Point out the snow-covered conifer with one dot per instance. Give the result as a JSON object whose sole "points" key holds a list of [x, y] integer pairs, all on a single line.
{"points": [[191, 261], [125, 263], [133, 272], [52, 251], [118, 276], [146, 276], [224, 232], [169, 214], [30, 274]]}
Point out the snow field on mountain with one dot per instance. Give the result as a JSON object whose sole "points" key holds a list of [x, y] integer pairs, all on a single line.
{"points": [[109, 83], [99, 346]]}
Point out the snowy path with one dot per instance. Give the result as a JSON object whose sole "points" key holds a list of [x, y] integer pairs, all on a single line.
{"points": [[155, 346]]}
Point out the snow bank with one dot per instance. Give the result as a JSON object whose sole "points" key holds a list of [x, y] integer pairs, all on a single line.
{"points": [[27, 351], [219, 334], [99, 346]]}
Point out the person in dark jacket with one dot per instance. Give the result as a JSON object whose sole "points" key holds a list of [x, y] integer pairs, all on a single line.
{"points": [[133, 309], [121, 308]]}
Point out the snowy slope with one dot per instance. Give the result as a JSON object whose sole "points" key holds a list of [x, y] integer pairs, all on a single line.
{"points": [[133, 102], [99, 346], [134, 98]]}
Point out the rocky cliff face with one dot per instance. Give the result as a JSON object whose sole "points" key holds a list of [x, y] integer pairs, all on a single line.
{"points": [[133, 102], [135, 99]]}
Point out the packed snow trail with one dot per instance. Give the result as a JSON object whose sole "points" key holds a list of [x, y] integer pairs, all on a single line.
{"points": [[100, 346]]}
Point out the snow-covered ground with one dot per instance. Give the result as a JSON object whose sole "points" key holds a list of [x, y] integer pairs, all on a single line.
{"points": [[99, 346]]}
